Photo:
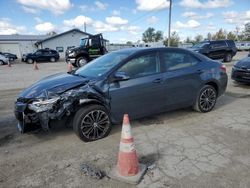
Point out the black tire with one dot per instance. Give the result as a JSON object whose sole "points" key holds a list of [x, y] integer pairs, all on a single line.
{"points": [[75, 65], [52, 59], [1, 62], [96, 123], [30, 61], [81, 61], [228, 57], [206, 99]]}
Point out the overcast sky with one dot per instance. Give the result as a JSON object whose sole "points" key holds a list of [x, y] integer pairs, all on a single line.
{"points": [[122, 20]]}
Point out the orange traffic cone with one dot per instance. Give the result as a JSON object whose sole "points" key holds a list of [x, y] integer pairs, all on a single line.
{"points": [[128, 168], [35, 66], [9, 65], [70, 67]]}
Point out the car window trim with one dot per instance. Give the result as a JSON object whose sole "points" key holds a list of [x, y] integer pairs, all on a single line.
{"points": [[137, 55], [164, 70]]}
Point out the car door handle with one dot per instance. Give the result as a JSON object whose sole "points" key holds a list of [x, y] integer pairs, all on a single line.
{"points": [[158, 80]]}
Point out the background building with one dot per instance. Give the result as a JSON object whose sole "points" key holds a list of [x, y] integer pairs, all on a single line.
{"points": [[19, 44], [61, 42], [22, 44]]}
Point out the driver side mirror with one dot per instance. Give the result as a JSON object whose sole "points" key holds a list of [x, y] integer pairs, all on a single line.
{"points": [[120, 76]]}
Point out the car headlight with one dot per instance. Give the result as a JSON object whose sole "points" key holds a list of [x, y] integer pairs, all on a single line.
{"points": [[43, 105], [72, 54]]}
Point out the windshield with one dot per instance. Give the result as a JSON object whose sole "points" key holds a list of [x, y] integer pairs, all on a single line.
{"points": [[102, 65], [201, 45], [83, 42]]}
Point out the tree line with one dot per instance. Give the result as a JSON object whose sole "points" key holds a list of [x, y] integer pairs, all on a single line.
{"points": [[151, 35]]}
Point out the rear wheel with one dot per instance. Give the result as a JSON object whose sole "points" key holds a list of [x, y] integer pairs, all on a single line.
{"points": [[228, 57], [81, 61], [30, 61], [92, 123], [52, 59], [1, 62], [206, 99]]}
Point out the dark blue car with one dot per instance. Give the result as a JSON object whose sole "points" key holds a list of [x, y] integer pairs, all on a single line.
{"points": [[138, 81]]}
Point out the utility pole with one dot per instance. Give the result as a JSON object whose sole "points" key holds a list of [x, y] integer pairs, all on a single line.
{"points": [[169, 22], [85, 27]]}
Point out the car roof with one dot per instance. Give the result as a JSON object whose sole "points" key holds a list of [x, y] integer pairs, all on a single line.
{"points": [[147, 49]]}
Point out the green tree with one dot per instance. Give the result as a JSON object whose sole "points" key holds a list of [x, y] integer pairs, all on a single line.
{"points": [[209, 36], [52, 33], [150, 35], [188, 40], [198, 38], [246, 32], [174, 39], [231, 36], [220, 35], [129, 43], [158, 36]]}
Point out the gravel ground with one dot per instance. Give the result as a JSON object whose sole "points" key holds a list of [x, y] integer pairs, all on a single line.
{"points": [[187, 149]]}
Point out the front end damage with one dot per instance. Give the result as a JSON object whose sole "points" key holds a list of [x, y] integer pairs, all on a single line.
{"points": [[36, 113]]}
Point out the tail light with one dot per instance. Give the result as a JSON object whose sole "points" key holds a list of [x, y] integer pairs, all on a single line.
{"points": [[223, 68]]}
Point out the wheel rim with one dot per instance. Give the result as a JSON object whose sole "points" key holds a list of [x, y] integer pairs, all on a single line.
{"points": [[52, 59], [30, 61], [207, 99], [95, 124], [82, 62], [228, 57]]}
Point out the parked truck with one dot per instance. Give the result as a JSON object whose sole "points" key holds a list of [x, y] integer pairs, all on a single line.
{"points": [[90, 48]]}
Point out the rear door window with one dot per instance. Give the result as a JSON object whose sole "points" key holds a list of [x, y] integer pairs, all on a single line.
{"points": [[177, 60], [218, 44]]}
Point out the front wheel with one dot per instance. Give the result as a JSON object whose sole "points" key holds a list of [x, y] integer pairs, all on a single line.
{"points": [[206, 99], [30, 61], [81, 61], [91, 123], [228, 57], [52, 59]]}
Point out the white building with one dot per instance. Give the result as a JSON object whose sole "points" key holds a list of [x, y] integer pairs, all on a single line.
{"points": [[61, 42], [21, 44]]}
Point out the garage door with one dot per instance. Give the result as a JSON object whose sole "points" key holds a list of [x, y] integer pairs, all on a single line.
{"points": [[11, 48]]}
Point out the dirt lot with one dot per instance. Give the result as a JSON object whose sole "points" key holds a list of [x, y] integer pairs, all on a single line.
{"points": [[188, 149]]}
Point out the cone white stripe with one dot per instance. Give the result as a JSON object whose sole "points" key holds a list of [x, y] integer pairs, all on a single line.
{"points": [[127, 147], [126, 132]]}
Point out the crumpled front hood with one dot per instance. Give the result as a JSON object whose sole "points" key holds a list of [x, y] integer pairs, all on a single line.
{"points": [[57, 83], [244, 63]]}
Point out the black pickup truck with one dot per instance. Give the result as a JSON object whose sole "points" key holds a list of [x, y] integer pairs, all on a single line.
{"points": [[90, 48]]}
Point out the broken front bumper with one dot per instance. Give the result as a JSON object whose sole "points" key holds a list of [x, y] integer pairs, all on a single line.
{"points": [[28, 120]]}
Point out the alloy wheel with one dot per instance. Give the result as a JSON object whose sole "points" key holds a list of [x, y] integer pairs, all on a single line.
{"points": [[207, 99], [95, 124]]}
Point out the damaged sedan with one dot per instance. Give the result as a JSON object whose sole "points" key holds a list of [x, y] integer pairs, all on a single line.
{"points": [[138, 81]]}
